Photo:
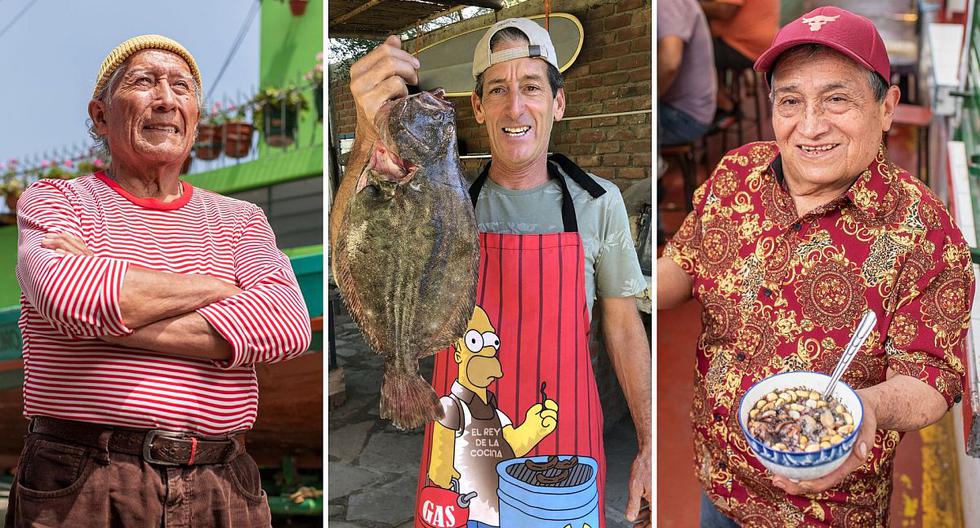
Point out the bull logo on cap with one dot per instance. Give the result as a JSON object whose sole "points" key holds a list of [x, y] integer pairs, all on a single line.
{"points": [[817, 22]]}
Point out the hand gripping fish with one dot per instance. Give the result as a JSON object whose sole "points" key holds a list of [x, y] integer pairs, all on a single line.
{"points": [[406, 255]]}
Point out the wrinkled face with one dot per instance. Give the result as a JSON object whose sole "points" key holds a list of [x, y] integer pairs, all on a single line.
{"points": [[152, 115], [828, 125], [476, 352], [518, 109]]}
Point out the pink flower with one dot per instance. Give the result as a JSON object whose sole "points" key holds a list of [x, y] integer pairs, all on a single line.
{"points": [[44, 164], [319, 67], [68, 163], [98, 163], [319, 56], [13, 161]]}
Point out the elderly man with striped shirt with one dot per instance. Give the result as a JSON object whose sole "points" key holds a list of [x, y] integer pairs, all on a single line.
{"points": [[146, 303]]}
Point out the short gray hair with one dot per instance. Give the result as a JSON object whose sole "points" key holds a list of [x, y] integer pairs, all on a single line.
{"points": [[511, 34], [879, 85], [101, 148]]}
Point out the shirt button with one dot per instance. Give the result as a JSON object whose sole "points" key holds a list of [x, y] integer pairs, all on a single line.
{"points": [[958, 398], [767, 292], [797, 227], [740, 356], [717, 417], [723, 465]]}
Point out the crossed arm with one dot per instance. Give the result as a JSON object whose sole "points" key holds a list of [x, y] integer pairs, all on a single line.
{"points": [[188, 315]]}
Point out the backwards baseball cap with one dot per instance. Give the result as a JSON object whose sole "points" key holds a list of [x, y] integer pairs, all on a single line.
{"points": [[136, 44], [852, 35], [539, 45]]}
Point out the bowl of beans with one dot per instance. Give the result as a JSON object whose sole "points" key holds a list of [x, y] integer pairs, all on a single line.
{"points": [[793, 430]]}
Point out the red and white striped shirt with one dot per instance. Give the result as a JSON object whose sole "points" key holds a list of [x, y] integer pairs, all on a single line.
{"points": [[68, 301]]}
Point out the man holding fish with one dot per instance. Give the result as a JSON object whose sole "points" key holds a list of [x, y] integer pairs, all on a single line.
{"points": [[551, 239], [789, 243]]}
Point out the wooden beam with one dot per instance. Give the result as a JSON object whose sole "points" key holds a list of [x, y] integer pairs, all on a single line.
{"points": [[356, 11], [354, 33], [496, 5]]}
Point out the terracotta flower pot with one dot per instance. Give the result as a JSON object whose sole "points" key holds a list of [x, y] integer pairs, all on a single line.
{"points": [[11, 200], [237, 139], [298, 7], [208, 145]]}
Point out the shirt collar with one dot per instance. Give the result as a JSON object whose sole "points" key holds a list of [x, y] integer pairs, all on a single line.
{"points": [[462, 392], [867, 192]]}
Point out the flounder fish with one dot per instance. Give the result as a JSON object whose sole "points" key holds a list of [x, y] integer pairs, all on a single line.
{"points": [[406, 255]]}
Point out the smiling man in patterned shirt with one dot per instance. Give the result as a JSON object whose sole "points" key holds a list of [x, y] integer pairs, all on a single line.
{"points": [[788, 245]]}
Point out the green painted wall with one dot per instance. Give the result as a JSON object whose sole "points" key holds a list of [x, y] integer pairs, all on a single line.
{"points": [[9, 290], [287, 50]]}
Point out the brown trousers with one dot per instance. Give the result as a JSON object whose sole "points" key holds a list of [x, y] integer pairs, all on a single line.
{"points": [[60, 484]]}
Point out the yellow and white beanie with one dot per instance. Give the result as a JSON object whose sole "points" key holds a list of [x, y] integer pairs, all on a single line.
{"points": [[136, 44]]}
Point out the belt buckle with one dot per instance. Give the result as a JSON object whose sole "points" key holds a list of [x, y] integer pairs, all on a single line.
{"points": [[151, 435]]}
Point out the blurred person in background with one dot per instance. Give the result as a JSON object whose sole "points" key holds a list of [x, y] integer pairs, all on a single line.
{"points": [[741, 30]]}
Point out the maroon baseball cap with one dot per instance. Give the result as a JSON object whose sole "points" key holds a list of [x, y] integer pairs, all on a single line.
{"points": [[839, 29]]}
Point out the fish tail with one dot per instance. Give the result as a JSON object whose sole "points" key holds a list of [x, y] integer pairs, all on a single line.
{"points": [[408, 400]]}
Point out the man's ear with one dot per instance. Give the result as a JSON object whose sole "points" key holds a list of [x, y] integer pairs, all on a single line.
{"points": [[888, 107], [97, 113], [559, 104], [477, 107]]}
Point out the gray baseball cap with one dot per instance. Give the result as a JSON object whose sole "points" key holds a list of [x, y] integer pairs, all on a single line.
{"points": [[539, 45]]}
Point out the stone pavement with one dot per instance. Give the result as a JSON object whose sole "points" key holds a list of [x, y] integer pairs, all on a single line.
{"points": [[373, 467]]}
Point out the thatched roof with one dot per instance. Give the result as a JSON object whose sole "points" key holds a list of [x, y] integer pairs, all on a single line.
{"points": [[376, 19]]}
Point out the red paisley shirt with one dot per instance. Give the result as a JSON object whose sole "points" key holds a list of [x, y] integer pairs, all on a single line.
{"points": [[782, 293]]}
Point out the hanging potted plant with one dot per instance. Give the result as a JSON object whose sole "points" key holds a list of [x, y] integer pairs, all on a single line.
{"points": [[89, 166], [298, 7], [315, 77], [11, 185], [208, 144], [52, 170], [277, 113], [236, 133]]}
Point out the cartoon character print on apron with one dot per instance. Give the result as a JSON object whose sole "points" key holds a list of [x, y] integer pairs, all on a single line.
{"points": [[518, 388]]}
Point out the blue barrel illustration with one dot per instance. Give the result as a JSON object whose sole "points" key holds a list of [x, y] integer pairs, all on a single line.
{"points": [[552, 498]]}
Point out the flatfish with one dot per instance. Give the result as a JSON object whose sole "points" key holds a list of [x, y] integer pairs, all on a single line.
{"points": [[406, 254]]}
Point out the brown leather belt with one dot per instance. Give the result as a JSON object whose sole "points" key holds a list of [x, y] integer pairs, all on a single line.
{"points": [[156, 446]]}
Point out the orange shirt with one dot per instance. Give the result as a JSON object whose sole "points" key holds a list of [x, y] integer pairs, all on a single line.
{"points": [[752, 28]]}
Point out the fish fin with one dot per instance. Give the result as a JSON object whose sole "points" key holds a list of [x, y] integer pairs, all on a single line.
{"points": [[388, 166], [408, 401], [362, 182]]}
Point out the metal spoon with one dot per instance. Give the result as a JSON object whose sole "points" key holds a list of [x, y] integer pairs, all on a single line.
{"points": [[864, 328]]}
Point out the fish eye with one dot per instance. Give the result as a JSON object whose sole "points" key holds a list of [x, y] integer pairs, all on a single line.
{"points": [[491, 339], [474, 341]]}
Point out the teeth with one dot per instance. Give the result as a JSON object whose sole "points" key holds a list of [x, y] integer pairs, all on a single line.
{"points": [[817, 149], [170, 129], [518, 131]]}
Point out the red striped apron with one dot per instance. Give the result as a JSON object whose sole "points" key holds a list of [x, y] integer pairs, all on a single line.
{"points": [[532, 288]]}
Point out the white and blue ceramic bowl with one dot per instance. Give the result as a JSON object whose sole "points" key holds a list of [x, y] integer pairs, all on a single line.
{"points": [[801, 466]]}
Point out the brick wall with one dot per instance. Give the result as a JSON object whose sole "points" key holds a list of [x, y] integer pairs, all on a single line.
{"points": [[611, 75]]}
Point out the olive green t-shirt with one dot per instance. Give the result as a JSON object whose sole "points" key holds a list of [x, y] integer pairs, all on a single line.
{"points": [[611, 265]]}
